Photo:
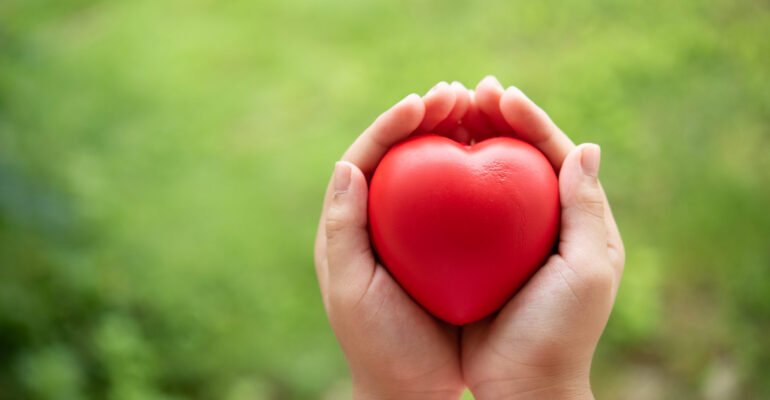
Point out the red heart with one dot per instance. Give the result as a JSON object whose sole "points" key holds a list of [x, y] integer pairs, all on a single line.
{"points": [[462, 228]]}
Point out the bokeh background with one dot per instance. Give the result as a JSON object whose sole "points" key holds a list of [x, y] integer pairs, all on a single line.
{"points": [[162, 165]]}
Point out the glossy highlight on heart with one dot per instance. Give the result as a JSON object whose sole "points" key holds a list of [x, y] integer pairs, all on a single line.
{"points": [[462, 228]]}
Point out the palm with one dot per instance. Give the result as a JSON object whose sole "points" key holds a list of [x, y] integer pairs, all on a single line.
{"points": [[393, 347], [417, 347], [551, 327], [539, 329]]}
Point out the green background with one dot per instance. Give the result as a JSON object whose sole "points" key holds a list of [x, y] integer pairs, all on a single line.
{"points": [[162, 165]]}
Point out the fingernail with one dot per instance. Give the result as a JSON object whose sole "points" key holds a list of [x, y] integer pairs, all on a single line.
{"points": [[341, 177], [590, 158]]}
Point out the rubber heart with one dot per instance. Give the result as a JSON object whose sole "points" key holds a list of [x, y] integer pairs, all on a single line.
{"points": [[461, 228]]}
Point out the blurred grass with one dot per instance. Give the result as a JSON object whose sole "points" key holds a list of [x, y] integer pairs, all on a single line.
{"points": [[162, 164]]}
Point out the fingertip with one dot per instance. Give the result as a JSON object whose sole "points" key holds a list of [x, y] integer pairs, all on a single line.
{"points": [[511, 99], [489, 86], [411, 97], [512, 107], [438, 104], [578, 176], [440, 90], [457, 113], [488, 94], [590, 159], [348, 206], [458, 85], [462, 100], [342, 172], [409, 111], [518, 108], [459, 90], [519, 112], [513, 90], [436, 87], [412, 101], [360, 185], [490, 81]]}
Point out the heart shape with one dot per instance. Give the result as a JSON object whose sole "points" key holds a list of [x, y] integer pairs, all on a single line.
{"points": [[462, 228]]}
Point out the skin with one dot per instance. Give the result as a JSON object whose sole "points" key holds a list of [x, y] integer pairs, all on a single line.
{"points": [[540, 344]]}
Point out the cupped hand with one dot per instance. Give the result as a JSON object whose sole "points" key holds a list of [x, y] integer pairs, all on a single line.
{"points": [[541, 343], [394, 348]]}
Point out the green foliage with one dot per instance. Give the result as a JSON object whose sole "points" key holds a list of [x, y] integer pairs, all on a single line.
{"points": [[162, 165]]}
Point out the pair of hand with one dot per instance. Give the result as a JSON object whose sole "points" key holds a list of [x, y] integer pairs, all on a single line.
{"points": [[541, 343]]}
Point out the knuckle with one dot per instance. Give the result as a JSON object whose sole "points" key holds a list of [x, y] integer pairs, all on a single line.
{"points": [[618, 257], [336, 222], [596, 275], [343, 300], [591, 205], [602, 277], [599, 281]]}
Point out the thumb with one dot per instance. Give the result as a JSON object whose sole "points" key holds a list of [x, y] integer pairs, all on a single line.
{"points": [[583, 231], [349, 255]]}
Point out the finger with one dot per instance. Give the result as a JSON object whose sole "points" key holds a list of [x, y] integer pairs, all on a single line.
{"points": [[533, 125], [439, 102], [448, 126], [367, 150], [583, 236], [615, 246], [475, 122], [390, 127], [350, 260], [488, 94]]}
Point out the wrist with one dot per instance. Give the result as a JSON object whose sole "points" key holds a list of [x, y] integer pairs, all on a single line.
{"points": [[382, 389], [402, 383], [531, 388], [379, 393]]}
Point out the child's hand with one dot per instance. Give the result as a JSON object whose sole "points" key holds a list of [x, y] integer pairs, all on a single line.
{"points": [[541, 343], [394, 348]]}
